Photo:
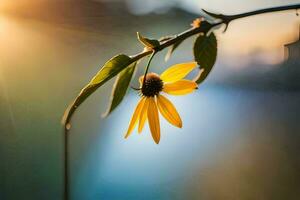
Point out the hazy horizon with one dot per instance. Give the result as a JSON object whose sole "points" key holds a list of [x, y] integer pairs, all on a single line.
{"points": [[264, 33]]}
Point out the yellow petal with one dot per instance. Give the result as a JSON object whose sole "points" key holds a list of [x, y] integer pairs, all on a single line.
{"points": [[153, 120], [141, 79], [143, 115], [180, 87], [135, 117], [168, 110], [177, 72]]}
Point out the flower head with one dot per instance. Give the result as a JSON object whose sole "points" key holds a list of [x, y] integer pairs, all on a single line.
{"points": [[152, 101]]}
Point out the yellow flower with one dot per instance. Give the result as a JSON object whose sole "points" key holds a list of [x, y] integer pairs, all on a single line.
{"points": [[171, 82]]}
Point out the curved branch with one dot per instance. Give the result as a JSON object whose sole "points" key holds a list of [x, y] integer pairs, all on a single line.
{"points": [[205, 27], [266, 10]]}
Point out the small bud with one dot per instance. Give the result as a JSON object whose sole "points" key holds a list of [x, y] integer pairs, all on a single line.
{"points": [[149, 43], [197, 22], [68, 126]]}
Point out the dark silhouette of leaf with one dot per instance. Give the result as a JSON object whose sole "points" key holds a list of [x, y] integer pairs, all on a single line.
{"points": [[172, 49], [120, 87], [205, 53]]}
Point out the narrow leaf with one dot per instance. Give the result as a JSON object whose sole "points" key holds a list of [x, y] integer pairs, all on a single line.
{"points": [[151, 43], [172, 49], [120, 87], [108, 71], [205, 53]]}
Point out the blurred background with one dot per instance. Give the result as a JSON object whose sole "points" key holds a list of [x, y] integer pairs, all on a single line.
{"points": [[241, 130]]}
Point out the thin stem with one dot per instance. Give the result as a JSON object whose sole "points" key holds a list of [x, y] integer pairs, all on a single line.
{"points": [[266, 10], [148, 65], [66, 194], [225, 19]]}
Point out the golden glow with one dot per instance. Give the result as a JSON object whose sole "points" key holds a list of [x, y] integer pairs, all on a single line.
{"points": [[263, 36], [8, 4], [15, 38]]}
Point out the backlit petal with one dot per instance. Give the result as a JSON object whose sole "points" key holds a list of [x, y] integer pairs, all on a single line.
{"points": [[168, 110], [180, 87], [135, 117], [177, 72], [153, 120], [141, 79], [143, 115]]}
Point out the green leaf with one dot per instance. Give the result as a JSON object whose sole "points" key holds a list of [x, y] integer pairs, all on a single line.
{"points": [[120, 87], [110, 69], [205, 53], [172, 49], [151, 43]]}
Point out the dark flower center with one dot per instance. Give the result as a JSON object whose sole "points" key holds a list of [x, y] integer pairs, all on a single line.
{"points": [[152, 86]]}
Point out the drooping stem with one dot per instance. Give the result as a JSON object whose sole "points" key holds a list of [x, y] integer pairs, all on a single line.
{"points": [[148, 65], [66, 192]]}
